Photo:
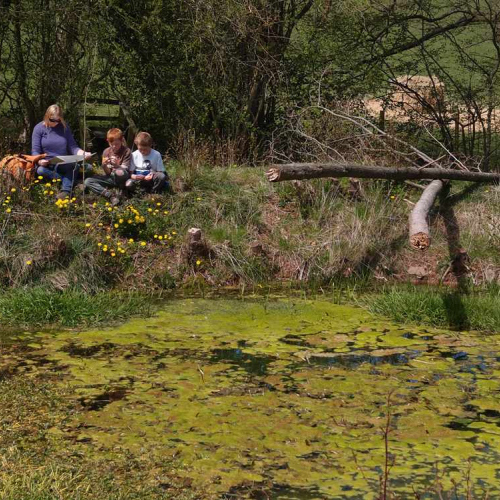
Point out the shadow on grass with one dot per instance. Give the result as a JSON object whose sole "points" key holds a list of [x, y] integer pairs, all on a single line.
{"points": [[453, 302]]}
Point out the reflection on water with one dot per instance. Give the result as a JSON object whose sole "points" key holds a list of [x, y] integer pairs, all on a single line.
{"points": [[283, 399]]}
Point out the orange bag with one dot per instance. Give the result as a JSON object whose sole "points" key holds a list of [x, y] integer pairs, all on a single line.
{"points": [[20, 167]]}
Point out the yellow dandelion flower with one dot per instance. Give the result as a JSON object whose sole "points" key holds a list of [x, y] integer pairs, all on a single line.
{"points": [[40, 177], [108, 237], [174, 232], [29, 262], [166, 212], [51, 192], [131, 240], [158, 204], [99, 244], [107, 204], [100, 224], [160, 237], [45, 192], [155, 236], [150, 209], [88, 224], [121, 221], [143, 243], [8, 210], [129, 221], [94, 205], [116, 226], [104, 249], [113, 254], [13, 190], [110, 209], [198, 262], [198, 199]]}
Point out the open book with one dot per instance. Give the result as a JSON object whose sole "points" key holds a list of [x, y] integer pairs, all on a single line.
{"points": [[68, 159]]}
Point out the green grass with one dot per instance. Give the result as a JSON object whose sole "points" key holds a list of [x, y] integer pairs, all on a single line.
{"points": [[311, 234], [479, 310], [70, 308]]}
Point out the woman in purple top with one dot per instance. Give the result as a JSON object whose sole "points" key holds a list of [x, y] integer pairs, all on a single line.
{"points": [[53, 137]]}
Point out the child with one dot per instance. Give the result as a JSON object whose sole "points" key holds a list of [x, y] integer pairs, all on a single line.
{"points": [[146, 166], [116, 166]]}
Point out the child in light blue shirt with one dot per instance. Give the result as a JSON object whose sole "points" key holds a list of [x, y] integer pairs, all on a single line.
{"points": [[146, 166]]}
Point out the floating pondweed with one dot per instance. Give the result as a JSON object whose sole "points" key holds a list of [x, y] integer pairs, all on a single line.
{"points": [[287, 398]]}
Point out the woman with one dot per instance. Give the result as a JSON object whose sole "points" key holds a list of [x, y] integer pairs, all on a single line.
{"points": [[53, 137]]}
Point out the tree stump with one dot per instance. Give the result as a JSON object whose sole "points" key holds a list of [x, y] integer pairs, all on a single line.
{"points": [[196, 247]]}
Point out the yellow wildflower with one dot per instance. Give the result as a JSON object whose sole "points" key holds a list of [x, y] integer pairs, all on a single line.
{"points": [[88, 224], [198, 262], [29, 262], [13, 190], [143, 243]]}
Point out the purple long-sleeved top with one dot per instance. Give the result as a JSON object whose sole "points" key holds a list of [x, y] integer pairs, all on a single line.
{"points": [[55, 141]]}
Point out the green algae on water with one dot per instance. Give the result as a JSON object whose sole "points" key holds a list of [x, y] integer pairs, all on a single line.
{"points": [[289, 395]]}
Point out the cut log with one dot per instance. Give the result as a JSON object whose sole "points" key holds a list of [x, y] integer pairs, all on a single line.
{"points": [[419, 226], [279, 173]]}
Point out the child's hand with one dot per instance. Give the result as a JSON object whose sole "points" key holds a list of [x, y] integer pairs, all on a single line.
{"points": [[148, 177]]}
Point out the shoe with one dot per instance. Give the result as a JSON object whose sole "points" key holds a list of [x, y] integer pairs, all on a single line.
{"points": [[62, 195], [115, 200]]}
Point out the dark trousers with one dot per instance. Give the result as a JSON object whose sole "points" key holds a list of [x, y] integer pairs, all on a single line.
{"points": [[101, 184], [155, 185]]}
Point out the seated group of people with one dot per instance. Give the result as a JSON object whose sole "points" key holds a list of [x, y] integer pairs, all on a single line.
{"points": [[123, 169]]}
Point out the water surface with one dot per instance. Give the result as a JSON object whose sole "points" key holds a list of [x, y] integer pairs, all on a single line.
{"points": [[281, 399]]}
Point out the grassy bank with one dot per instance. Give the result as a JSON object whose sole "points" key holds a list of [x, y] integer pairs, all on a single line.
{"points": [[478, 310], [39, 307], [311, 235]]}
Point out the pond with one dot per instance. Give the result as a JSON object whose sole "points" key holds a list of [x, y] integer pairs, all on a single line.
{"points": [[284, 398]]}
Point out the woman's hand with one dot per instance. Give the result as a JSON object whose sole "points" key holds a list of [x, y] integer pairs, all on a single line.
{"points": [[43, 163], [148, 177], [137, 177], [87, 154]]}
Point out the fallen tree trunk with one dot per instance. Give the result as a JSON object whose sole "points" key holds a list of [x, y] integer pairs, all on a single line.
{"points": [[419, 227], [279, 173]]}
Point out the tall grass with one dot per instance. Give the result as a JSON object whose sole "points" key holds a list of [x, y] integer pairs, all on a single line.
{"points": [[479, 310], [71, 308]]}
